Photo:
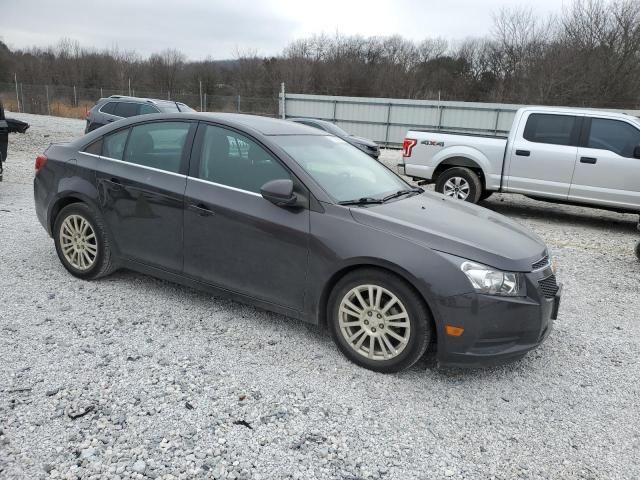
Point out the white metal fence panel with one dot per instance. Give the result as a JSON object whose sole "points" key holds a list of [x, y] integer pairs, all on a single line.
{"points": [[386, 120]]}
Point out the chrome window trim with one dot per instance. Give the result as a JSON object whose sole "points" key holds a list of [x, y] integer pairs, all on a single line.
{"points": [[225, 186], [159, 170]]}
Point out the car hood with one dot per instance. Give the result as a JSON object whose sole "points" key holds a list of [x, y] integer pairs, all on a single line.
{"points": [[363, 141], [458, 228]]}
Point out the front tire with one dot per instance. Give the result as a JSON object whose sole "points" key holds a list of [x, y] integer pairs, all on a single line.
{"points": [[378, 321], [460, 183], [81, 242]]}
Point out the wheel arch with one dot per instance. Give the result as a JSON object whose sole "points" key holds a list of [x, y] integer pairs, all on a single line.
{"points": [[377, 264], [61, 203], [467, 158]]}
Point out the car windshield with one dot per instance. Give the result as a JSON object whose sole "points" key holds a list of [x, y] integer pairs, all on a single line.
{"points": [[343, 171]]}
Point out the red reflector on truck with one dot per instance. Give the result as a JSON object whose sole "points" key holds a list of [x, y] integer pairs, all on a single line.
{"points": [[41, 161], [407, 146]]}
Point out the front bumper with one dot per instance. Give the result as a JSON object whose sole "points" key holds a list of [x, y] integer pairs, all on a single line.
{"points": [[496, 329]]}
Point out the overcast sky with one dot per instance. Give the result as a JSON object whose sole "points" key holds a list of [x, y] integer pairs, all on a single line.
{"points": [[220, 28]]}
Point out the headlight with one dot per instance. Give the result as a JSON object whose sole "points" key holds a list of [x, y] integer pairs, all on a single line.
{"points": [[493, 282]]}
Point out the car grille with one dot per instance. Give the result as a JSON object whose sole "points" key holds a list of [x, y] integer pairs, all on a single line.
{"points": [[543, 262], [549, 286]]}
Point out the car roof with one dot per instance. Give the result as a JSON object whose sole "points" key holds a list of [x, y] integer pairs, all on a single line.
{"points": [[578, 111], [125, 98], [264, 125]]}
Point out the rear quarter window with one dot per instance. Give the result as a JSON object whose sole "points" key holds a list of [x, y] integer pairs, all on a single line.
{"points": [[113, 145], [109, 108], [95, 148]]}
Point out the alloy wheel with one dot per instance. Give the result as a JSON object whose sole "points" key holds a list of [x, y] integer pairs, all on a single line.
{"points": [[457, 187], [78, 242], [374, 322]]}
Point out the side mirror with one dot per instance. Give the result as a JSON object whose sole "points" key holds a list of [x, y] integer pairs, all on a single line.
{"points": [[636, 152], [279, 192]]}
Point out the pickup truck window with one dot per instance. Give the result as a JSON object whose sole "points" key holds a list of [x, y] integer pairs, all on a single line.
{"points": [[613, 135], [552, 129]]}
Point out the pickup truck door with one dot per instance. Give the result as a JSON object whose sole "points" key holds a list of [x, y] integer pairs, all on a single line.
{"points": [[542, 155], [607, 171]]}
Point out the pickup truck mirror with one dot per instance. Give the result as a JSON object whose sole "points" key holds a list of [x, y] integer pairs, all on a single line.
{"points": [[636, 152]]}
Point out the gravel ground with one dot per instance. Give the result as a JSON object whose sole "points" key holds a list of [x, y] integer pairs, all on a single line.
{"points": [[132, 377]]}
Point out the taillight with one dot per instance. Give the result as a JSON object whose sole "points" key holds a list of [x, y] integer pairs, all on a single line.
{"points": [[41, 161], [407, 146]]}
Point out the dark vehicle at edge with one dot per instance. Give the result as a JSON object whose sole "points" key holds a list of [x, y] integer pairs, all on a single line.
{"points": [[7, 126], [294, 220], [369, 147]]}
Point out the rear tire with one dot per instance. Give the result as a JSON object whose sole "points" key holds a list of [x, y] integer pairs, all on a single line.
{"points": [[460, 183], [378, 321], [81, 242]]}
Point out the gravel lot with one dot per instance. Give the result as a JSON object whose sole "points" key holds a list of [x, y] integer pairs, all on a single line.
{"points": [[132, 377]]}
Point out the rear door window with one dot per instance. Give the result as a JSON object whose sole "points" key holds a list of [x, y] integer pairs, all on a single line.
{"points": [[613, 135], [126, 109], [552, 129], [113, 145], [158, 145]]}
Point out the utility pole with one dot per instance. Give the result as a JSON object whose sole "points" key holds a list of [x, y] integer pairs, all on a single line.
{"points": [[129, 86], [284, 102], [201, 106], [15, 78], [46, 89]]}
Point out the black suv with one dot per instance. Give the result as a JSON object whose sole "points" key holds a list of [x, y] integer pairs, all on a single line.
{"points": [[115, 107]]}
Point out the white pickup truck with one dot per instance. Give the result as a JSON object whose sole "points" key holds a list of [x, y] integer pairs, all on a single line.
{"points": [[565, 155]]}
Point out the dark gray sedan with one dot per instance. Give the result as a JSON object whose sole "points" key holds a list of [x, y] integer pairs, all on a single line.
{"points": [[369, 147], [297, 221]]}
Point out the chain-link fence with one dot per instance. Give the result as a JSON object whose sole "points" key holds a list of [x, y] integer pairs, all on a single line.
{"points": [[71, 101]]}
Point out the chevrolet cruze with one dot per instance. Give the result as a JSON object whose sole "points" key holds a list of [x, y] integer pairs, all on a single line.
{"points": [[297, 221]]}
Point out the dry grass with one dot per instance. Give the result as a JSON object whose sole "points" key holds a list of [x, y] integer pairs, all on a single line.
{"points": [[60, 109]]}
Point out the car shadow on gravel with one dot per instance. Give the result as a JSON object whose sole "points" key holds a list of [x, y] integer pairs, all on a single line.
{"points": [[578, 217]]}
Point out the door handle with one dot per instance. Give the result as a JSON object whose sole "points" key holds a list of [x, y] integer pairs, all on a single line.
{"points": [[115, 180], [523, 153], [589, 160], [202, 209]]}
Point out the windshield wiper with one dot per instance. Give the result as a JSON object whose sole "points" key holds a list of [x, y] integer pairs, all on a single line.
{"points": [[362, 201], [400, 193]]}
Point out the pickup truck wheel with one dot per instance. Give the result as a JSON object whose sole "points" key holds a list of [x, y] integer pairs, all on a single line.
{"points": [[460, 183]]}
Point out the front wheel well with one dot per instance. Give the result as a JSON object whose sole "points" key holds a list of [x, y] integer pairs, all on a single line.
{"points": [[459, 162], [337, 276], [58, 206]]}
